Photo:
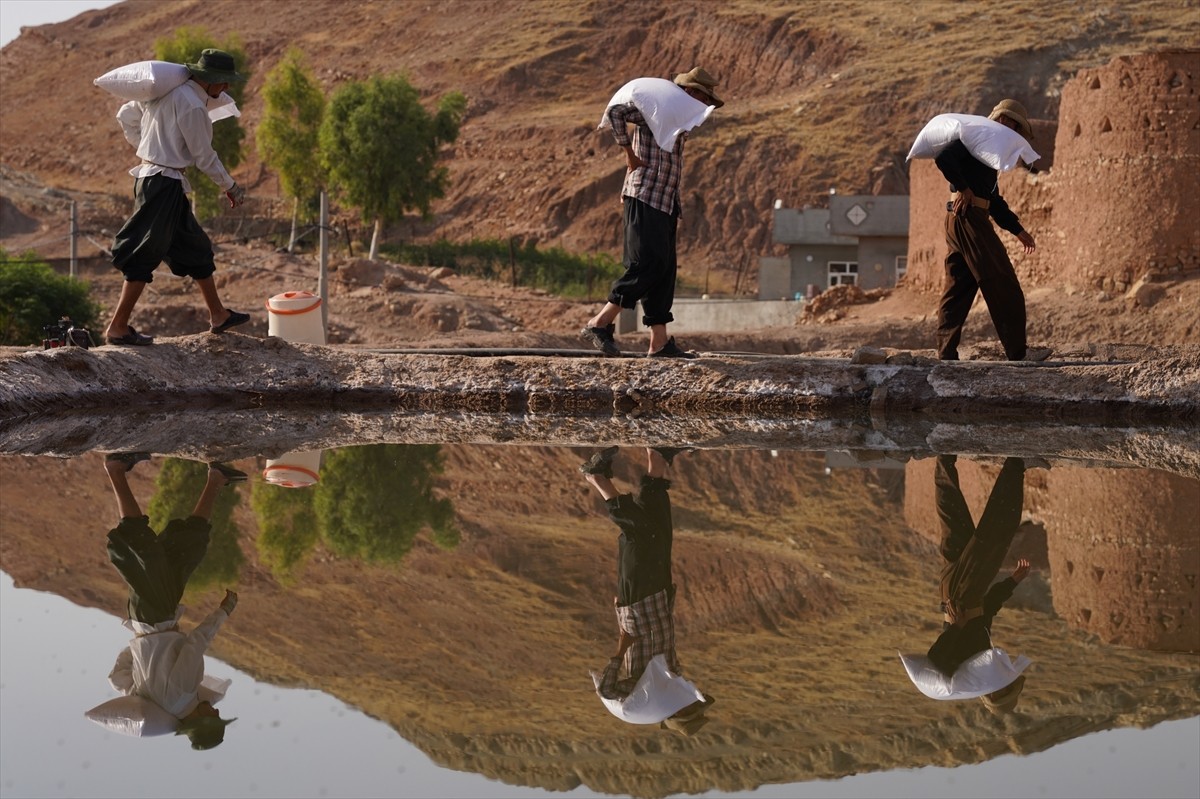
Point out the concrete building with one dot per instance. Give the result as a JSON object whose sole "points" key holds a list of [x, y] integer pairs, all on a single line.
{"points": [[858, 239]]}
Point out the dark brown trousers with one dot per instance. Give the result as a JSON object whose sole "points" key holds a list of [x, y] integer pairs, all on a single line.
{"points": [[974, 552], [977, 261]]}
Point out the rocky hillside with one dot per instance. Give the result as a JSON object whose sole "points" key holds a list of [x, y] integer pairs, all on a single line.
{"points": [[819, 95]]}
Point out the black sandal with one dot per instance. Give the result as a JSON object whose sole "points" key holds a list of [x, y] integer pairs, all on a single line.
{"points": [[130, 459], [130, 339], [235, 318], [232, 475]]}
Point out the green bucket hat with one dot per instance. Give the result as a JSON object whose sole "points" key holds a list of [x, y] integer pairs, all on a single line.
{"points": [[215, 66], [205, 732]]}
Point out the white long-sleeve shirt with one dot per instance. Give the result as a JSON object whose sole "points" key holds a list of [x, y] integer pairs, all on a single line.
{"points": [[166, 666], [173, 133]]}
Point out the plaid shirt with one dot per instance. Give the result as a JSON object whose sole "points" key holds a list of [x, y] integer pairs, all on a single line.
{"points": [[651, 622], [657, 183]]}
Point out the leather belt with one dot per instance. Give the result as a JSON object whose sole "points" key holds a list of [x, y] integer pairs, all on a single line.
{"points": [[965, 616], [978, 202]]}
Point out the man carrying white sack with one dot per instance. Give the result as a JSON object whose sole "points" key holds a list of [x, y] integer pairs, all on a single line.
{"points": [[650, 196], [645, 601], [171, 134], [977, 260]]}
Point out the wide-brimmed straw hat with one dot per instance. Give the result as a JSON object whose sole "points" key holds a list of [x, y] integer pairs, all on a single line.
{"points": [[216, 66], [1016, 112], [1004, 700], [698, 78]]}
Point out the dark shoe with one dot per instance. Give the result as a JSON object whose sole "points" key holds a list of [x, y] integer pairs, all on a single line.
{"points": [[671, 350], [602, 339], [600, 463], [129, 459], [669, 453], [235, 318], [130, 339], [232, 475], [1037, 354]]}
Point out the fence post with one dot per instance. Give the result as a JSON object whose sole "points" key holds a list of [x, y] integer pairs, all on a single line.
{"points": [[323, 272], [512, 260], [74, 242]]}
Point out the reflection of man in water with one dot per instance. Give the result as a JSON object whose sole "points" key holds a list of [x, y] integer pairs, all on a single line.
{"points": [[974, 554], [161, 663], [645, 600]]}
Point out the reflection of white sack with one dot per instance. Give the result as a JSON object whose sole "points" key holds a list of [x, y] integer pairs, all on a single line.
{"points": [[143, 81], [988, 671], [133, 715], [994, 144], [667, 109], [657, 695], [137, 716]]}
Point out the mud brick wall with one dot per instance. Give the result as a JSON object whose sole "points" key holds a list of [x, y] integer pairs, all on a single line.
{"points": [[1128, 142], [1126, 567], [1127, 139]]}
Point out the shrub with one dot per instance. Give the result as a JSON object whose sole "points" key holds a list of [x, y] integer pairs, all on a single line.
{"points": [[554, 270], [32, 295]]}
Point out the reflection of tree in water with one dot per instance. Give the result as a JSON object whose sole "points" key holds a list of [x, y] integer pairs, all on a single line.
{"points": [[287, 526], [178, 485], [371, 503]]}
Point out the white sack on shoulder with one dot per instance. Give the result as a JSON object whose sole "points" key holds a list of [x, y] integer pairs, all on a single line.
{"points": [[983, 673], [658, 694], [143, 81], [668, 109], [998, 146]]}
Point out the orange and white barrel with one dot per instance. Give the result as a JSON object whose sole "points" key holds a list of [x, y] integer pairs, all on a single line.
{"points": [[294, 469], [295, 316]]}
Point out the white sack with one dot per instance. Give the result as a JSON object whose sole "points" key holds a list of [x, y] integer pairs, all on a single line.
{"points": [[994, 144], [988, 671], [222, 107], [146, 81], [133, 715], [658, 694], [143, 81], [668, 109]]}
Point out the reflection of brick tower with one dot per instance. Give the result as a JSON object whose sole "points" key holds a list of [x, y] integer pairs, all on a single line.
{"points": [[1125, 555], [1126, 159], [976, 481]]}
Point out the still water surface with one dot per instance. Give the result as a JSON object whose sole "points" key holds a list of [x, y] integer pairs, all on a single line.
{"points": [[421, 621]]}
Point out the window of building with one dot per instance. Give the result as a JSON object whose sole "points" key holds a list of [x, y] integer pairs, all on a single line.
{"points": [[901, 266], [843, 273]]}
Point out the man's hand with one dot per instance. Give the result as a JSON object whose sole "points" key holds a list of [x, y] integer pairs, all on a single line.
{"points": [[236, 196], [963, 202], [624, 641], [632, 162], [1026, 241], [1021, 571], [229, 602]]}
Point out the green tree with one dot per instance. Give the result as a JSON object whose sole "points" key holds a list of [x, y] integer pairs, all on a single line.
{"points": [[177, 487], [373, 500], [184, 47], [33, 295], [287, 135], [287, 526], [380, 148]]}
